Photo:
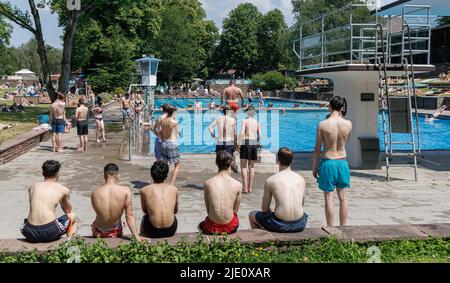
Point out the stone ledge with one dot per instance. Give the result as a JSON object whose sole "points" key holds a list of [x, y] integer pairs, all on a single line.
{"points": [[360, 234], [375, 233], [13, 148], [8, 144], [435, 230]]}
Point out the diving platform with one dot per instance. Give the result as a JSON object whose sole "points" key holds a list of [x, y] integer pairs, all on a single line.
{"points": [[358, 48]]}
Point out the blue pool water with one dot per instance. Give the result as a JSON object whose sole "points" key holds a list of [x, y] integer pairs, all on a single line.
{"points": [[185, 102], [296, 130]]}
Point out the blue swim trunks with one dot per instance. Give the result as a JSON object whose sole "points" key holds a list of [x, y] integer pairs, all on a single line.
{"points": [[273, 224], [58, 126], [158, 149], [333, 174]]}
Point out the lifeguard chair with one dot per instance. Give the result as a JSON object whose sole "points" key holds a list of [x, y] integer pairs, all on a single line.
{"points": [[147, 72]]}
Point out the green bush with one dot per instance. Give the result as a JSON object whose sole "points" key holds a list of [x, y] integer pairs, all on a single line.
{"points": [[273, 80], [225, 250]]}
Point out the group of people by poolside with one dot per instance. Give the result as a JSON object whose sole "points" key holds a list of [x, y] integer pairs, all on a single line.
{"points": [[222, 192], [60, 124]]}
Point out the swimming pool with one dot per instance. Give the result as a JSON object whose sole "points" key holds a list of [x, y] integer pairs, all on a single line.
{"points": [[277, 103], [294, 129]]}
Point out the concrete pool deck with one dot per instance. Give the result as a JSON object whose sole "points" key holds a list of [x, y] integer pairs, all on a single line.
{"points": [[372, 200]]}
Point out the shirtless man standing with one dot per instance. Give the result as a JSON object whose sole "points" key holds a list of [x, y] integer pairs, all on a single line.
{"points": [[81, 115], [231, 95], [227, 138], [169, 133], [159, 203], [58, 122], [125, 107], [288, 190], [156, 128], [248, 148], [333, 171], [42, 226], [110, 201], [222, 199]]}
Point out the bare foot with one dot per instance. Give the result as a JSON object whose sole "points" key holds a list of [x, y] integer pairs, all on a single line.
{"points": [[98, 141], [244, 191], [80, 149]]}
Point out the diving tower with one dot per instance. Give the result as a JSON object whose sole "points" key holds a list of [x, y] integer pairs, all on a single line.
{"points": [[358, 48]]}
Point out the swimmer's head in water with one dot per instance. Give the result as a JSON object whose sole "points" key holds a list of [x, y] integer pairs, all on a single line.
{"points": [[224, 159], [50, 169], [159, 172]]}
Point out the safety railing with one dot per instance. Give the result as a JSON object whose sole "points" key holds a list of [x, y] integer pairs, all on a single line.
{"points": [[349, 36]]}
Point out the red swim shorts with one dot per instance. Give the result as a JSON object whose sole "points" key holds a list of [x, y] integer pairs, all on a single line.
{"points": [[234, 106], [209, 227]]}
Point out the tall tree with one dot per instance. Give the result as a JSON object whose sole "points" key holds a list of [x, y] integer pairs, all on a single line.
{"points": [[174, 45], [5, 33], [238, 48], [135, 25], [69, 21], [272, 39], [26, 57]]}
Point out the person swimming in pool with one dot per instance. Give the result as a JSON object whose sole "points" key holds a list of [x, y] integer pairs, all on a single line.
{"points": [[231, 95], [331, 169]]}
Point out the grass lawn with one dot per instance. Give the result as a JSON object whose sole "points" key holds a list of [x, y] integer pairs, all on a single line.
{"points": [[21, 122], [433, 250]]}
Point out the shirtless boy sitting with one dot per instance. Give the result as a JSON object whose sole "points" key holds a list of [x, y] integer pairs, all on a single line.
{"points": [[42, 226], [288, 190], [222, 199], [159, 203], [110, 201]]}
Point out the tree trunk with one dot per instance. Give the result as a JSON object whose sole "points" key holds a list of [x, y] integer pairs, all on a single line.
{"points": [[42, 51], [66, 62]]}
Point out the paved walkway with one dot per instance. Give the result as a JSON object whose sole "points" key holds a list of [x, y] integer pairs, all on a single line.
{"points": [[372, 200]]}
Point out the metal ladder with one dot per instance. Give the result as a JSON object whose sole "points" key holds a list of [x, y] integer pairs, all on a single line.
{"points": [[386, 110]]}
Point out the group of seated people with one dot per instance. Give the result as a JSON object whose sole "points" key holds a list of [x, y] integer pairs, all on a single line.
{"points": [[13, 108], [159, 204]]}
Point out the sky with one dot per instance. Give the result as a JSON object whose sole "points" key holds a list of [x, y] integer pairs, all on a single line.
{"points": [[216, 10]]}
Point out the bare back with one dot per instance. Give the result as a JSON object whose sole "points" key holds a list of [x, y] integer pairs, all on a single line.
{"points": [[168, 129], [250, 129], [335, 133], [232, 94], [109, 202], [226, 128], [125, 103], [58, 109], [222, 198], [44, 198], [161, 203], [288, 190], [81, 113]]}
